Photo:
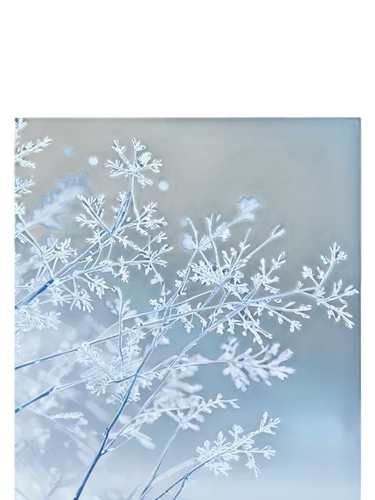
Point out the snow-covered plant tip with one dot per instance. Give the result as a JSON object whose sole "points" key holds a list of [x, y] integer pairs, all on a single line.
{"points": [[131, 373]]}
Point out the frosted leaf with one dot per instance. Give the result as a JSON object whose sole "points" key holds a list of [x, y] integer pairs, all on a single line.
{"points": [[28, 148], [19, 209], [68, 415], [248, 366], [278, 231], [22, 186], [187, 242], [307, 272], [218, 455], [247, 206], [67, 191]]}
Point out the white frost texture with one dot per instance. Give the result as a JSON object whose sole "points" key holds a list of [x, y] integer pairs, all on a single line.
{"points": [[144, 366]]}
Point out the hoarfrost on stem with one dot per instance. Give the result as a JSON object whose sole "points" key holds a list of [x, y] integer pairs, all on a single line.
{"points": [[130, 380]]}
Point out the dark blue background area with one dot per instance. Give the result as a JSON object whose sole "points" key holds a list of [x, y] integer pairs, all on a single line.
{"points": [[307, 172]]}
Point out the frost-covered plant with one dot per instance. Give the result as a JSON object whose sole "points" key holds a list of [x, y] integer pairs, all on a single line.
{"points": [[131, 368]]}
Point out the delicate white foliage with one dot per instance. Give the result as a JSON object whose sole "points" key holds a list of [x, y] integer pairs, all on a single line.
{"points": [[218, 455], [22, 186], [223, 289], [24, 150], [133, 168], [187, 242], [247, 206], [256, 367], [33, 318], [67, 192]]}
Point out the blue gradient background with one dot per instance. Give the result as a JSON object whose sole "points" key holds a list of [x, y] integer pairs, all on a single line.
{"points": [[306, 172]]}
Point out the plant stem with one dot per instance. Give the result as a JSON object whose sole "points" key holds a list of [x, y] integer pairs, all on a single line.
{"points": [[110, 337], [122, 213], [102, 449], [182, 480], [173, 470], [33, 400], [29, 298], [160, 462], [62, 427], [93, 464], [181, 487], [174, 362]]}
